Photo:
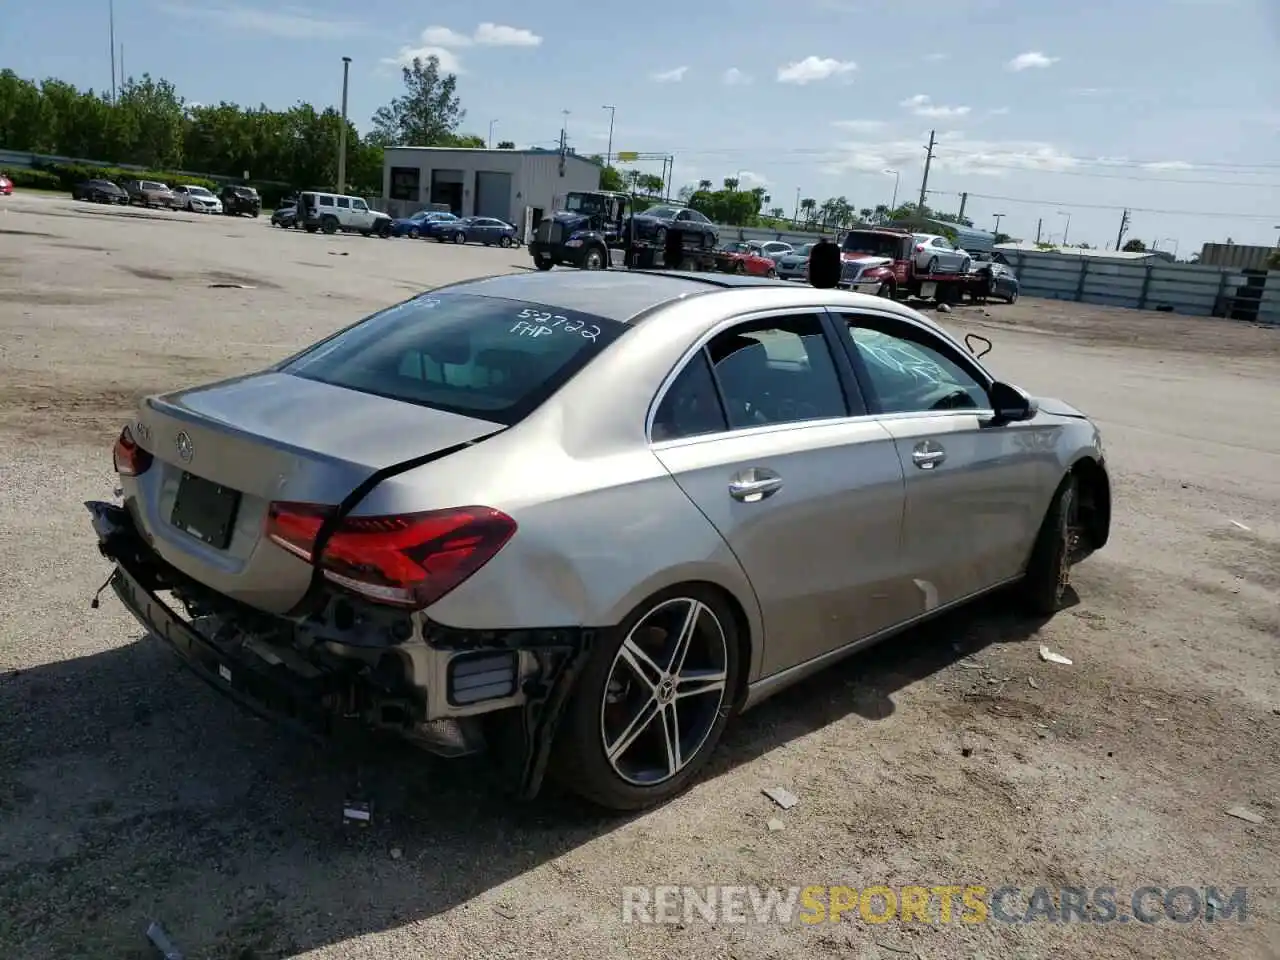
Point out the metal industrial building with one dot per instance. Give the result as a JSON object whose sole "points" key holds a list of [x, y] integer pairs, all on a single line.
{"points": [[511, 185]]}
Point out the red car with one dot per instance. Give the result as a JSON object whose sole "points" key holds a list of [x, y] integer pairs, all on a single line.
{"points": [[6, 186], [744, 256]]}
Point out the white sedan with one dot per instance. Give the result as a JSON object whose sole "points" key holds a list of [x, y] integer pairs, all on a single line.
{"points": [[935, 254], [196, 199], [775, 250]]}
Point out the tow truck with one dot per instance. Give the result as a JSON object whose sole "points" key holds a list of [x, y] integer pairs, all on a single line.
{"points": [[881, 261], [592, 225]]}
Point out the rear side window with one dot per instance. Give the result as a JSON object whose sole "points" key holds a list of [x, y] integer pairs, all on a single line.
{"points": [[484, 357], [326, 201]]}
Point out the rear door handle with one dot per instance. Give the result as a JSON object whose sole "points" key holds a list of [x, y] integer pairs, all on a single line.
{"points": [[751, 491], [928, 455]]}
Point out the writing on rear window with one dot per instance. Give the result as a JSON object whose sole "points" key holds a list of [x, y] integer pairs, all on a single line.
{"points": [[536, 323]]}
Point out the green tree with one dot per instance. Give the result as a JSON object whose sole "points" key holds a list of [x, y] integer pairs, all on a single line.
{"points": [[651, 183], [150, 123], [1134, 246], [428, 113], [506, 144], [1002, 237], [611, 179], [777, 213]]}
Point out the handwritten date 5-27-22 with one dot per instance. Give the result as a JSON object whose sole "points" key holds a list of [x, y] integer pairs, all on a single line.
{"points": [[538, 323]]}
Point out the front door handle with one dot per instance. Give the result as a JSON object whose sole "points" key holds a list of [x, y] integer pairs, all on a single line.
{"points": [[751, 491], [927, 455]]}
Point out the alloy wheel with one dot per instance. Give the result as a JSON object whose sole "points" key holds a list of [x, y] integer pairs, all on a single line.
{"points": [[665, 690]]}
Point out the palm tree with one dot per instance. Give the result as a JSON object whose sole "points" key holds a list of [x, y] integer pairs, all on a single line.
{"points": [[881, 212], [808, 205], [704, 185], [777, 213], [865, 214]]}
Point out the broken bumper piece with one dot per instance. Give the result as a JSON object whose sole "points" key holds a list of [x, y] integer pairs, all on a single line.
{"points": [[467, 669]]}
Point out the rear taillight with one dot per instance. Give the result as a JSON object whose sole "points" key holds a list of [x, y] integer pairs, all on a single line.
{"points": [[130, 459], [919, 248], [409, 560]]}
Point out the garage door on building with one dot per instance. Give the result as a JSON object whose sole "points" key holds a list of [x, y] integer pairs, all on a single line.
{"points": [[493, 195]]}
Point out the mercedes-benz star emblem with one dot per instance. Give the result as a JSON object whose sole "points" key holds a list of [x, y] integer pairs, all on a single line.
{"points": [[186, 449]]}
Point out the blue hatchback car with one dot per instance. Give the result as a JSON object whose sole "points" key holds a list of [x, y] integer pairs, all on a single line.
{"points": [[415, 226]]}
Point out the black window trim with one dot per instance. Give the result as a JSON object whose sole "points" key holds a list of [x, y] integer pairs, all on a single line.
{"points": [[855, 400], [903, 329]]}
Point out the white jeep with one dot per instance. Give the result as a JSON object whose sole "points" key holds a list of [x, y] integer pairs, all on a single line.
{"points": [[332, 213]]}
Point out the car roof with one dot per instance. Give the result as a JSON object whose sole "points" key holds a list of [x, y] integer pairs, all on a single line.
{"points": [[621, 295]]}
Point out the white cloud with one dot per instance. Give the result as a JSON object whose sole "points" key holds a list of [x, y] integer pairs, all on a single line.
{"points": [[999, 111], [811, 69], [1168, 165], [1089, 91], [669, 76], [937, 57], [444, 37], [499, 35], [747, 179], [291, 23], [733, 77], [954, 153], [449, 61], [921, 106], [859, 126], [1030, 60]]}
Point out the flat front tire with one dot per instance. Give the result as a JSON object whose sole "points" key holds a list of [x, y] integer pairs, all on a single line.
{"points": [[1048, 573], [652, 702]]}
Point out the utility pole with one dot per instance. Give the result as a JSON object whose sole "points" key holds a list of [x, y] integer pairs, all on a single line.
{"points": [[964, 199], [123, 75], [924, 181], [491, 125], [608, 151], [1039, 225], [795, 220], [342, 131], [1001, 216], [1124, 228], [111, 39]]}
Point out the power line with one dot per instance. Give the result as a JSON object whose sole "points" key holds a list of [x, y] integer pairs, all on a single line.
{"points": [[1109, 206], [1125, 176]]}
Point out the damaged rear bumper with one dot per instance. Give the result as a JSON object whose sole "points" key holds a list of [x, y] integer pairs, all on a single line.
{"points": [[502, 692]]}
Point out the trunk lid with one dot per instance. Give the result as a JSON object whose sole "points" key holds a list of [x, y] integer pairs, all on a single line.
{"points": [[262, 438]]}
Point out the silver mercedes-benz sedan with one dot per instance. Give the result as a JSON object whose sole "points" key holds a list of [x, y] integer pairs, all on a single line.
{"points": [[582, 519]]}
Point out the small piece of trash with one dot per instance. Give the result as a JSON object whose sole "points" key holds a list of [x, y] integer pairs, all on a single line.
{"points": [[1244, 813], [502, 910], [1240, 525], [1031, 682], [1051, 657], [889, 946], [338, 253], [396, 853], [781, 796], [1148, 704], [231, 286], [968, 665], [156, 934], [944, 308], [775, 825], [357, 811]]}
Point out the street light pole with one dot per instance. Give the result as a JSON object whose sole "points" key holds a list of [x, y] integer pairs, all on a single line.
{"points": [[111, 39], [893, 204], [1067, 229], [608, 151], [342, 131], [999, 217], [491, 123]]}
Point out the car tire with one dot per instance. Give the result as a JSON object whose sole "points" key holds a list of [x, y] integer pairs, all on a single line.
{"points": [[329, 225], [593, 259], [772, 274], [965, 264], [739, 267], [1049, 570], [660, 238], [544, 264], [311, 228], [1012, 298], [505, 242], [610, 697], [932, 266], [459, 237], [885, 290], [414, 233]]}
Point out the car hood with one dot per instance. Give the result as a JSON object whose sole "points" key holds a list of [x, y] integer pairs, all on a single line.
{"points": [[866, 259], [1059, 408], [568, 219]]}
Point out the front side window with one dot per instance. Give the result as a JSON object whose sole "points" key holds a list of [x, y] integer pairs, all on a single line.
{"points": [[359, 205], [485, 357], [911, 372], [344, 203]]}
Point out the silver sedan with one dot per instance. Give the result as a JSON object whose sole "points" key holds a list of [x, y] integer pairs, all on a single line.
{"points": [[583, 519]]}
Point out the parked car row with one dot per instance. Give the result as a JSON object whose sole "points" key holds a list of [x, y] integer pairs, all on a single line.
{"points": [[231, 200], [331, 213]]}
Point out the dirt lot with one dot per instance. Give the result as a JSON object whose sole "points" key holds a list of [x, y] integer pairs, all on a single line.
{"points": [[129, 791]]}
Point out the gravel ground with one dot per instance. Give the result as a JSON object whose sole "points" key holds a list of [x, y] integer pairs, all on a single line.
{"points": [[131, 792]]}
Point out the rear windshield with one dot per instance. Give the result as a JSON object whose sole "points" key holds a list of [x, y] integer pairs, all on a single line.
{"points": [[876, 244], [485, 357]]}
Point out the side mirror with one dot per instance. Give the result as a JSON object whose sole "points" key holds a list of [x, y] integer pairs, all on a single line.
{"points": [[1011, 404]]}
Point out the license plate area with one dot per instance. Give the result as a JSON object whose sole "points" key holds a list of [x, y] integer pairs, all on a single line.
{"points": [[205, 510]]}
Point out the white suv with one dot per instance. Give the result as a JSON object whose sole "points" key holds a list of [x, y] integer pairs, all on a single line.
{"points": [[331, 213]]}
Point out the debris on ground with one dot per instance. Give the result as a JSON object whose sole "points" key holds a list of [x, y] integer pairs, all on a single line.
{"points": [[338, 253], [359, 812], [1240, 525], [775, 825], [944, 308], [231, 286], [502, 910], [1050, 657], [1244, 813], [1031, 682], [396, 853], [781, 796], [157, 935]]}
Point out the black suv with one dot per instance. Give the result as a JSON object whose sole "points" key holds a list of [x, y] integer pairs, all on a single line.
{"points": [[238, 200]]}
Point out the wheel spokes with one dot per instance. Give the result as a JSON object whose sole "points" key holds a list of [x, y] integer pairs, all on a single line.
{"points": [[684, 638], [639, 723], [671, 737], [696, 683], [641, 664]]}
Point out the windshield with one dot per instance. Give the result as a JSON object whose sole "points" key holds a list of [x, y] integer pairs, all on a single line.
{"points": [[876, 244], [484, 357], [661, 213], [803, 251], [244, 191], [198, 191]]}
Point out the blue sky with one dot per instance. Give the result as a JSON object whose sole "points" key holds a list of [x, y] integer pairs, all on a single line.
{"points": [[1042, 108]]}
